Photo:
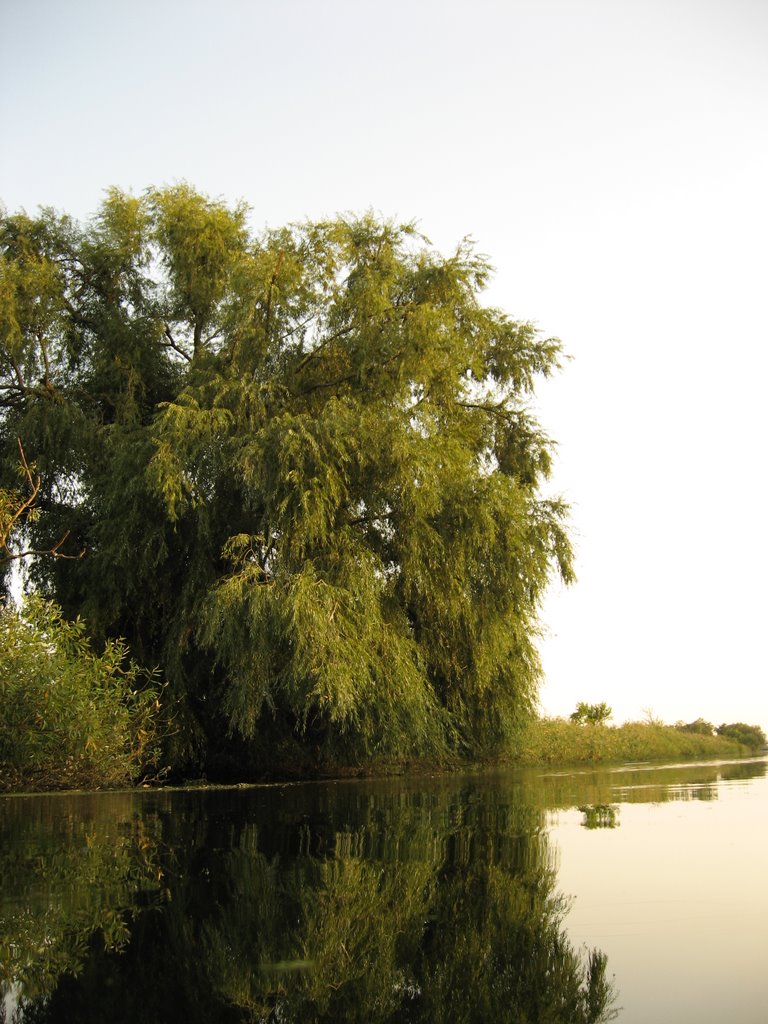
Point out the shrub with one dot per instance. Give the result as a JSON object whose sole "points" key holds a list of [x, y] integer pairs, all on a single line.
{"points": [[69, 717], [592, 714], [750, 735], [700, 727]]}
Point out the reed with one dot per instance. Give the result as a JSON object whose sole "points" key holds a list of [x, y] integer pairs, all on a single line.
{"points": [[557, 740]]}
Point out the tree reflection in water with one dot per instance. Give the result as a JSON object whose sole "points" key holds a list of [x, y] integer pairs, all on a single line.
{"points": [[294, 904], [600, 815]]}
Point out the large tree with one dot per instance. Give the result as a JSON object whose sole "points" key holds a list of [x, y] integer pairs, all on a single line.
{"points": [[302, 465]]}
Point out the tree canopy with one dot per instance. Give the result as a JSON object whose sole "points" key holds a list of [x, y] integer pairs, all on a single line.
{"points": [[591, 714], [302, 466], [748, 735]]}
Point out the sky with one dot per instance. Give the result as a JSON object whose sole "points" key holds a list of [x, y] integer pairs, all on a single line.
{"points": [[611, 159]]}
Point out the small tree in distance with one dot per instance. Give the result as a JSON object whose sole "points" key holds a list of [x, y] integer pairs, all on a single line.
{"points": [[700, 727], [591, 714]]}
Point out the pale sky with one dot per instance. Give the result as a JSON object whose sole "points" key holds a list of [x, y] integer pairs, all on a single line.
{"points": [[610, 156]]}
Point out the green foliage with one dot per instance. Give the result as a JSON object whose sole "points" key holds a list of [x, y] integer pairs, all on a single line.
{"points": [[303, 468], [749, 735], [69, 717], [591, 714], [559, 741], [700, 727]]}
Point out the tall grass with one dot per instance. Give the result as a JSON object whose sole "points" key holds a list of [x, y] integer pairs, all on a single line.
{"points": [[558, 741]]}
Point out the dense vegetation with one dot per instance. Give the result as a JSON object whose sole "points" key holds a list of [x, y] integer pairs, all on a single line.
{"points": [[301, 468], [748, 735], [558, 741], [70, 718], [751, 736]]}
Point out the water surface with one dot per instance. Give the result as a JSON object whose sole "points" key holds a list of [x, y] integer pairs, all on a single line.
{"points": [[512, 896]]}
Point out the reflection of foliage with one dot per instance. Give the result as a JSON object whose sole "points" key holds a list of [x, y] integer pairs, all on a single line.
{"points": [[498, 953], [358, 923], [377, 907], [651, 783], [363, 923], [69, 717], [71, 878], [600, 815], [389, 902], [455, 938]]}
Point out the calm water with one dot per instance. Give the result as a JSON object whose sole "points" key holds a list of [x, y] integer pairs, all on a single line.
{"points": [[522, 897]]}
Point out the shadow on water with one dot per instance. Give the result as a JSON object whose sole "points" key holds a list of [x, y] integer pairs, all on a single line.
{"points": [[422, 900]]}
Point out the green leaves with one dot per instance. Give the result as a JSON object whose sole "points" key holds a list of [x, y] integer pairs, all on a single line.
{"points": [[67, 716], [199, 242], [302, 464], [591, 714], [748, 735]]}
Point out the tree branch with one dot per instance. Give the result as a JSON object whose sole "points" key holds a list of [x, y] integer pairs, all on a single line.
{"points": [[315, 352], [494, 407], [23, 509], [268, 311], [172, 343]]}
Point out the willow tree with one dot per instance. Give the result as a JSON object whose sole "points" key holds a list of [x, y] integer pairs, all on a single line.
{"points": [[302, 465]]}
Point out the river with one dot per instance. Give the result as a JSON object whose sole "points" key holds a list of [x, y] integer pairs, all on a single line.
{"points": [[636, 893]]}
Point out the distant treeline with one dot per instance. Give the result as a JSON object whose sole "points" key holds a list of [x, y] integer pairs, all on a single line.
{"points": [[749, 735]]}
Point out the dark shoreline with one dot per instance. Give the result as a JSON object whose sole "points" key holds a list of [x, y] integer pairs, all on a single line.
{"points": [[722, 753]]}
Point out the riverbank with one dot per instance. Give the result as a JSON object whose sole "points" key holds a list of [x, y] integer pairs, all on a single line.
{"points": [[545, 741], [559, 741]]}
